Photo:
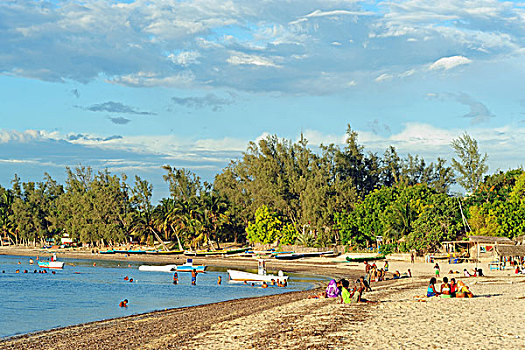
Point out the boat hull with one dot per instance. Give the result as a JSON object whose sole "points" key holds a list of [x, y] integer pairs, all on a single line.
{"points": [[162, 268], [364, 258], [242, 276], [197, 268], [293, 256], [51, 264]]}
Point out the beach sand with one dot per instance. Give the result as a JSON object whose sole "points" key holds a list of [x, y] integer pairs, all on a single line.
{"points": [[404, 319]]}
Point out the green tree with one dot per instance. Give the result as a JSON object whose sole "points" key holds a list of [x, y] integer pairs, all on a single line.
{"points": [[269, 227], [470, 165]]}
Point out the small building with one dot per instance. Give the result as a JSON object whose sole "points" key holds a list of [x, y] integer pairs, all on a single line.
{"points": [[482, 247], [66, 240], [476, 248], [510, 252]]}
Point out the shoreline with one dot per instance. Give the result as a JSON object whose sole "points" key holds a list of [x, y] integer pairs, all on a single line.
{"points": [[403, 319]]}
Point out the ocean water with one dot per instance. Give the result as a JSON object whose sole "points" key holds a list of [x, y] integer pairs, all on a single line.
{"points": [[83, 293]]}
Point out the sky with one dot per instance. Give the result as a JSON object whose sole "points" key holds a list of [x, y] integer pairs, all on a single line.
{"points": [[130, 86]]}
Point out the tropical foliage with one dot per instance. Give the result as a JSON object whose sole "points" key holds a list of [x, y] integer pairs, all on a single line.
{"points": [[278, 192]]}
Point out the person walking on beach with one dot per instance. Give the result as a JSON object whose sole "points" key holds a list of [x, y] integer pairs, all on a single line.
{"points": [[193, 277], [436, 268], [412, 257]]}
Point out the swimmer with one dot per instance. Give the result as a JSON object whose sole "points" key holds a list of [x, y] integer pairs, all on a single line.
{"points": [[264, 285], [123, 303], [94, 264], [25, 271], [131, 279], [53, 272], [219, 280], [126, 278]]}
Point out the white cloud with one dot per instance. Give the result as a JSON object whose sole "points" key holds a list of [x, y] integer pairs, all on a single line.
{"points": [[185, 58], [384, 77], [447, 63], [319, 13], [18, 136], [138, 43], [239, 58]]}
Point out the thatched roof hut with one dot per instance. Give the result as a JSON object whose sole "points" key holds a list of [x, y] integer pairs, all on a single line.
{"points": [[490, 240], [510, 250]]}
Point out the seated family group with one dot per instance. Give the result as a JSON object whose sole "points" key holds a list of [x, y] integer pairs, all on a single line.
{"points": [[342, 289], [449, 289]]}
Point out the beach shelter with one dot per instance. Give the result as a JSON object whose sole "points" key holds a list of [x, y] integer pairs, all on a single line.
{"points": [[510, 253]]}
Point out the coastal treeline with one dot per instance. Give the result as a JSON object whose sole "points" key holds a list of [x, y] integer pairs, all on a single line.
{"points": [[278, 192]]}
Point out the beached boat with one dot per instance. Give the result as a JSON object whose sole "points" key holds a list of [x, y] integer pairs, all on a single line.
{"points": [[109, 251], [293, 256], [46, 264], [188, 267], [158, 268], [260, 276], [165, 252], [214, 252], [364, 258]]}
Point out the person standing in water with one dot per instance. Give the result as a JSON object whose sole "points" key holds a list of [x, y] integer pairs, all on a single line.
{"points": [[193, 277], [219, 280], [175, 278]]}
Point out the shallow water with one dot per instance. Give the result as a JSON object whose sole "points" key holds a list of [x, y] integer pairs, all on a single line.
{"points": [[83, 293]]}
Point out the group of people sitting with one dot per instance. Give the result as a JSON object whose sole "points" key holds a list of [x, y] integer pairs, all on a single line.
{"points": [[342, 289], [375, 274], [449, 289]]}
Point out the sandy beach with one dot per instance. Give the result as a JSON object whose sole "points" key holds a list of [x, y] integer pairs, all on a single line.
{"points": [[403, 319]]}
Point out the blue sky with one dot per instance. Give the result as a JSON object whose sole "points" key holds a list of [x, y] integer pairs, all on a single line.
{"points": [[132, 85]]}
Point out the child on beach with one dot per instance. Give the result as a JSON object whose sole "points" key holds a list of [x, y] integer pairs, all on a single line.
{"points": [[346, 296], [463, 291], [453, 287], [431, 289], [445, 289], [436, 268]]}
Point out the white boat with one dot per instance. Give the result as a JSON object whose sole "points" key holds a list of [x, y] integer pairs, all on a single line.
{"points": [[46, 264], [260, 276], [161, 268], [188, 267]]}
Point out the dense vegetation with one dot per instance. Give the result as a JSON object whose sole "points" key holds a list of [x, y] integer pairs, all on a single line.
{"points": [[278, 192]]}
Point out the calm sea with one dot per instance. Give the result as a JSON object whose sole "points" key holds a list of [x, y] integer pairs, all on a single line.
{"points": [[83, 293]]}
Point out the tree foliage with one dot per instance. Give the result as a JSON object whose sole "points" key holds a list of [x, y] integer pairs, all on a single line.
{"points": [[470, 165]]}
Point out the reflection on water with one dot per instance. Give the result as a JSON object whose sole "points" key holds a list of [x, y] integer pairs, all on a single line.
{"points": [[82, 292]]}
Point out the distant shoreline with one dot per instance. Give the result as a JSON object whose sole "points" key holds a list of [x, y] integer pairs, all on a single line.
{"points": [[322, 268]]}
